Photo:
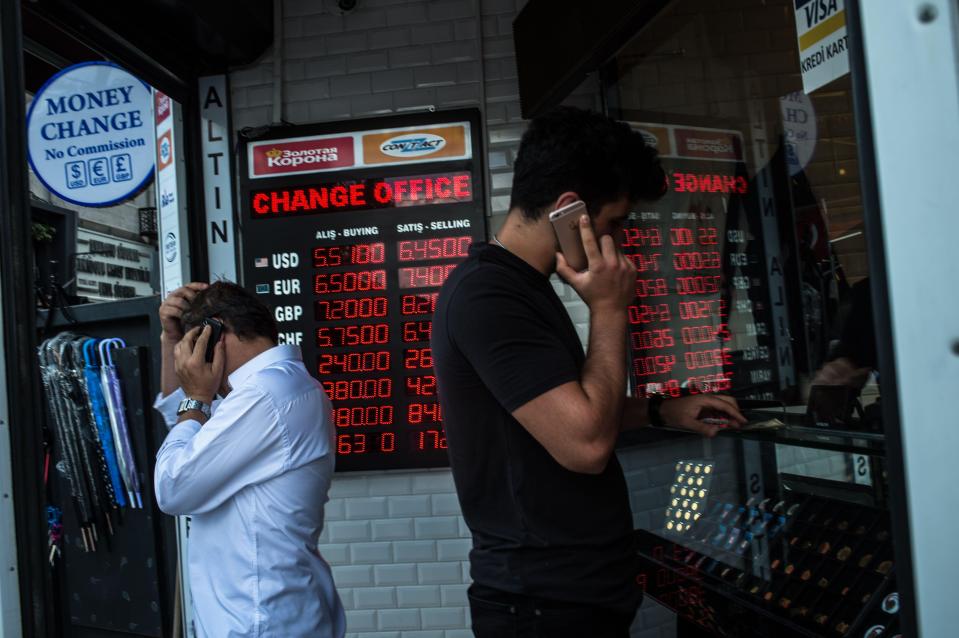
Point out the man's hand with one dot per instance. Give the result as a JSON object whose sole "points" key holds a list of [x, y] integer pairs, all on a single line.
{"points": [[688, 413], [609, 284], [842, 371], [171, 310], [198, 379]]}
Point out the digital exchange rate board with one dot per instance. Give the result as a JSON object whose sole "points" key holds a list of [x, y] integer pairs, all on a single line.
{"points": [[349, 251], [703, 317]]}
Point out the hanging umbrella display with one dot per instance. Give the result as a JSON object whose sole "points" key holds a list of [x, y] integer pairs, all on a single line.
{"points": [[114, 393], [99, 409]]}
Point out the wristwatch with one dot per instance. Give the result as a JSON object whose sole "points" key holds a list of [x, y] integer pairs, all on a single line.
{"points": [[653, 401], [193, 404]]}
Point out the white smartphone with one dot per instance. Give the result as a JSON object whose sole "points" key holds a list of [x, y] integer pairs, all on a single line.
{"points": [[565, 221]]}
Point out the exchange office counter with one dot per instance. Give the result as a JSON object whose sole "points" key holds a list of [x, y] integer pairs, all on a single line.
{"points": [[780, 530]]}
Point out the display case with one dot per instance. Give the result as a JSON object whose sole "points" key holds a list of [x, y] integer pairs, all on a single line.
{"points": [[757, 273], [766, 532]]}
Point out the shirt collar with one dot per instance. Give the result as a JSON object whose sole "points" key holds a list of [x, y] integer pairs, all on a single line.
{"points": [[262, 360]]}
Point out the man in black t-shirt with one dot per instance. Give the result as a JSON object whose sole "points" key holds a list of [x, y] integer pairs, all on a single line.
{"points": [[531, 421]]}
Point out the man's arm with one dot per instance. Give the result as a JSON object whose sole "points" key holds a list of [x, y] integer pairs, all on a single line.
{"points": [[171, 310], [578, 422], [199, 468], [686, 413]]}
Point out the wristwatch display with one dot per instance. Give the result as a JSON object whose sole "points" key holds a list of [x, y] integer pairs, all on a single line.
{"points": [[193, 404]]}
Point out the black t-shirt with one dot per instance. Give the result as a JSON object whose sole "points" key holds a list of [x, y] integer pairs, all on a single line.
{"points": [[501, 337]]}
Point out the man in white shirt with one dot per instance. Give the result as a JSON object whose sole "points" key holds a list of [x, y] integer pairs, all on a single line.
{"points": [[252, 469]]}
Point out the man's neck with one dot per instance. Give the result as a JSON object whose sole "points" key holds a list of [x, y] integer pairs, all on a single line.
{"points": [[532, 241], [246, 351]]}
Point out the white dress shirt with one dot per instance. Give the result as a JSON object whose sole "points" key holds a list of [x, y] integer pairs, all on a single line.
{"points": [[254, 478]]}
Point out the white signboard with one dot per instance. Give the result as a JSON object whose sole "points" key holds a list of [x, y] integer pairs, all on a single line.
{"points": [[217, 183], [172, 230], [799, 129], [90, 136], [821, 30]]}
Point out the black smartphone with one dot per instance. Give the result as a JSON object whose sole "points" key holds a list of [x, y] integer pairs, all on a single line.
{"points": [[217, 331]]}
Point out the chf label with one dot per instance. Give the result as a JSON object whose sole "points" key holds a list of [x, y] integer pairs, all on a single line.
{"points": [[292, 338], [286, 286], [288, 313], [285, 260]]}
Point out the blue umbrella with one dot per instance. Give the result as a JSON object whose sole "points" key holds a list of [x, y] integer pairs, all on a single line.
{"points": [[118, 420]]}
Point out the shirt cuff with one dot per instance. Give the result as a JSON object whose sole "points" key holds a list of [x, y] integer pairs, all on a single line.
{"points": [[167, 406]]}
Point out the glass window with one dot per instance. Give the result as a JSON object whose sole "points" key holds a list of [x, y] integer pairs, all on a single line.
{"points": [[753, 267]]}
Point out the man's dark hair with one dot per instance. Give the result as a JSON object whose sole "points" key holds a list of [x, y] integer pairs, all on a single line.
{"points": [[242, 313], [600, 159]]}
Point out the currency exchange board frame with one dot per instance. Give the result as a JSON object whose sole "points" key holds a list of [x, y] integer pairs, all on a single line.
{"points": [[348, 229]]}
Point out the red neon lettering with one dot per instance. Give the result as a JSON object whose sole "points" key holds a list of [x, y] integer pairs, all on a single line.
{"points": [[357, 195], [709, 183], [461, 187], [382, 192], [260, 206], [444, 187]]}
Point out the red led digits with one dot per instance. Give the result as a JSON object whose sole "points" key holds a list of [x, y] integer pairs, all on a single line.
{"points": [[431, 440], [418, 304], [644, 313], [366, 416], [651, 288], [654, 364], [352, 255], [425, 276], [359, 389], [713, 358], [418, 413], [648, 339], [641, 237], [417, 331], [365, 308], [702, 309], [421, 386], [416, 358], [361, 443], [365, 335], [351, 444], [698, 285], [376, 361], [696, 260], [434, 248], [350, 281], [387, 442], [708, 236], [645, 263], [705, 334]]}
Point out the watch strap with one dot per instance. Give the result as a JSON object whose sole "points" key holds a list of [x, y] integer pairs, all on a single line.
{"points": [[193, 404], [653, 403]]}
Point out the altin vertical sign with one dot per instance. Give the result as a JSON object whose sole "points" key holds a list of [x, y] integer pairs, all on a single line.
{"points": [[90, 134]]}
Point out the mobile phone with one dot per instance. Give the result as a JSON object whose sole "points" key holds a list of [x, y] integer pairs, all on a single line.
{"points": [[565, 221], [216, 332]]}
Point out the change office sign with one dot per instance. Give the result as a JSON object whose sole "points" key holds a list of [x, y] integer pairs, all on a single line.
{"points": [[90, 134]]}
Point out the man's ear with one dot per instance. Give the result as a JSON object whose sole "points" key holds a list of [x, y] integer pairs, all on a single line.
{"points": [[565, 199]]}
